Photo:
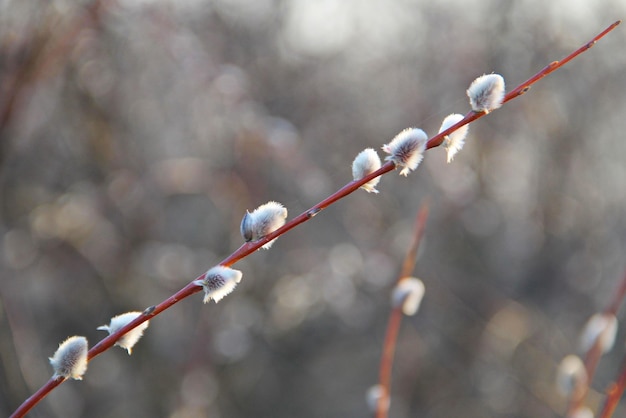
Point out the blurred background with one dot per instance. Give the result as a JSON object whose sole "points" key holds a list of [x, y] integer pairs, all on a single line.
{"points": [[134, 134]]}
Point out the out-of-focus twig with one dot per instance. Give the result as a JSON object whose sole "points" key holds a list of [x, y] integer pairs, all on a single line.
{"points": [[615, 390], [395, 318], [591, 360], [45, 58]]}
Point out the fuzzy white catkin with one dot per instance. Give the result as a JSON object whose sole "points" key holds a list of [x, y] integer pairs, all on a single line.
{"points": [[372, 397], [581, 412], [128, 340], [366, 162], [262, 221], [486, 93], [70, 359], [454, 142], [408, 294], [407, 149], [570, 375], [218, 282], [601, 327]]}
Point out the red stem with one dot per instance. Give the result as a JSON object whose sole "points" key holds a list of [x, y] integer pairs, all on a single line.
{"points": [[386, 362], [36, 397], [395, 318], [593, 356], [618, 299], [614, 393], [249, 247], [615, 390], [436, 140]]}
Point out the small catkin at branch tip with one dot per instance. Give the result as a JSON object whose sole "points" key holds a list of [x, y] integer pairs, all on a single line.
{"points": [[454, 142], [366, 162], [70, 359], [486, 93], [408, 294], [128, 340], [571, 375], [218, 282], [601, 327], [407, 149], [262, 221]]}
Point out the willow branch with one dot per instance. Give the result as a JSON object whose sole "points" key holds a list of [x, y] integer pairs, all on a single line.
{"points": [[395, 318]]}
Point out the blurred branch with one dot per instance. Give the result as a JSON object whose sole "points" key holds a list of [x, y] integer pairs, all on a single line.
{"points": [[592, 359], [46, 54], [395, 318], [615, 390]]}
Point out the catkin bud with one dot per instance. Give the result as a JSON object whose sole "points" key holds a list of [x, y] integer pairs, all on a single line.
{"points": [[366, 162], [218, 282], [262, 221], [408, 294], [454, 141], [407, 149], [374, 395], [70, 359], [601, 328], [581, 412], [571, 375], [486, 93], [128, 340]]}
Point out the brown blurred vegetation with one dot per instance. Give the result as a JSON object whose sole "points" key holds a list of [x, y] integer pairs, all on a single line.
{"points": [[134, 134]]}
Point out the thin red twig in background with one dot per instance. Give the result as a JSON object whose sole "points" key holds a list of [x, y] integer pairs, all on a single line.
{"points": [[618, 298], [592, 358], [615, 390], [614, 393], [250, 247], [395, 318], [44, 58]]}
